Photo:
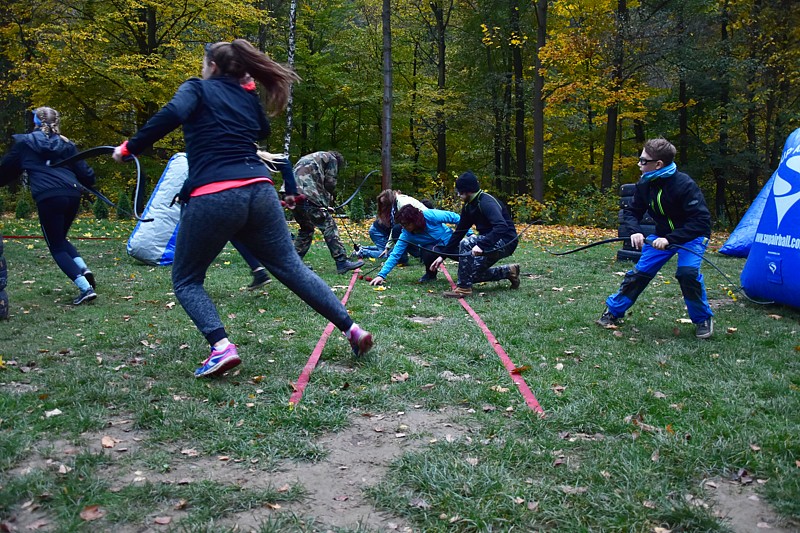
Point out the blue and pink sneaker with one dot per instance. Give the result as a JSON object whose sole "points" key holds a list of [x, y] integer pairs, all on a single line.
{"points": [[360, 340], [219, 362]]}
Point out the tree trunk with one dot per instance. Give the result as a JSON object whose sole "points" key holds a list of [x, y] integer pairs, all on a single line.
{"points": [[612, 112], [520, 141], [441, 126], [538, 102], [287, 134], [386, 123]]}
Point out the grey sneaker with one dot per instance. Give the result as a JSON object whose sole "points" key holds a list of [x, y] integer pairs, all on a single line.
{"points": [[704, 329], [607, 320], [346, 266]]}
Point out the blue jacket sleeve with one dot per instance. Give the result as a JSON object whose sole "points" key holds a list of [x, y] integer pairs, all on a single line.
{"points": [[397, 252], [287, 173]]}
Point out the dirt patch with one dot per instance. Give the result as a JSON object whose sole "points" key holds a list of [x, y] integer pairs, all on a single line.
{"points": [[425, 320], [358, 457], [744, 511]]}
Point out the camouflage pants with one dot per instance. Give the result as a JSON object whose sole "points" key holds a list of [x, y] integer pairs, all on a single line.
{"points": [[314, 217], [478, 268], [3, 283]]}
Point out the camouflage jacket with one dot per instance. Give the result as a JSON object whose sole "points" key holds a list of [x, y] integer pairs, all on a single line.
{"points": [[315, 175]]}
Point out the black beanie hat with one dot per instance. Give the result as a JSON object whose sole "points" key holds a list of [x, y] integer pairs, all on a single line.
{"points": [[467, 182]]}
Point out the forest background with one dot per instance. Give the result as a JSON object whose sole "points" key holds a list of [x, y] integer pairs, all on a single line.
{"points": [[548, 102]]}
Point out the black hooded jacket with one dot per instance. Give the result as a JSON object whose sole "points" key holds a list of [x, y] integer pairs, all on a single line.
{"points": [[676, 205], [31, 152]]}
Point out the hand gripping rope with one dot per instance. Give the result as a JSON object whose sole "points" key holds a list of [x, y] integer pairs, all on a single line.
{"points": [[737, 288], [102, 150]]}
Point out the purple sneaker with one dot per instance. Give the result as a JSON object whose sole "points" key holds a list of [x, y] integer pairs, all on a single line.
{"points": [[219, 362]]}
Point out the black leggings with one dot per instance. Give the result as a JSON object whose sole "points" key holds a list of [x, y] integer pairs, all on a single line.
{"points": [[55, 216]]}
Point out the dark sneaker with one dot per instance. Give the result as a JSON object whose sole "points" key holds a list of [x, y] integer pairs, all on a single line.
{"points": [[260, 278], [704, 329], [360, 341], [428, 277], [458, 292], [346, 266], [607, 320], [85, 296], [219, 362], [3, 305], [513, 275], [86, 273]]}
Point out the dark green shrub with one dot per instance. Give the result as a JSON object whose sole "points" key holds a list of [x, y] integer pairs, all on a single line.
{"points": [[100, 209], [355, 209], [24, 205], [124, 210]]}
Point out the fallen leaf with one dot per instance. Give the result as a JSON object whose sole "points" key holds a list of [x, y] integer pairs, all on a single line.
{"points": [[763, 525], [162, 520], [519, 500], [108, 442], [731, 330], [755, 447], [473, 461], [533, 506], [520, 369], [92, 512], [655, 457], [399, 377], [775, 317], [419, 503], [190, 452], [37, 524], [342, 498], [181, 505], [277, 506], [54, 412], [661, 530], [649, 504], [659, 395], [569, 489], [498, 388]]}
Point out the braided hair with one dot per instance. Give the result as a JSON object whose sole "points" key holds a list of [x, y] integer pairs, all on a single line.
{"points": [[47, 120]]}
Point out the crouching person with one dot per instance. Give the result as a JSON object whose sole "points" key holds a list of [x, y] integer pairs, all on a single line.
{"points": [[496, 239]]}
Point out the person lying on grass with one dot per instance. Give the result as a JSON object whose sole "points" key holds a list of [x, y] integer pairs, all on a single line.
{"points": [[425, 230]]}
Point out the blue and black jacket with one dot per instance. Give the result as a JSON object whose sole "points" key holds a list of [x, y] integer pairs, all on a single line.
{"points": [[677, 206]]}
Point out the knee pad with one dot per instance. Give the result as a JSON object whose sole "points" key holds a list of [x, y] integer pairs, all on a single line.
{"points": [[687, 274], [634, 283]]}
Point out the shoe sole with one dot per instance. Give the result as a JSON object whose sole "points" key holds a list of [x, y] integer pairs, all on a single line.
{"points": [[90, 278], [223, 366], [258, 285], [514, 278], [89, 298]]}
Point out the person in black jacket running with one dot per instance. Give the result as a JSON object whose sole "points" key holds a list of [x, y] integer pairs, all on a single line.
{"points": [[679, 210], [57, 191], [496, 239]]}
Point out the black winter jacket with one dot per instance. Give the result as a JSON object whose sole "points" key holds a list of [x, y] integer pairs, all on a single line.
{"points": [[222, 122], [491, 219], [677, 206], [31, 152]]}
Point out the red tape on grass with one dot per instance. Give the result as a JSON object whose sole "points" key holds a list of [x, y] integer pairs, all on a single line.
{"points": [[305, 375], [518, 380], [41, 237]]}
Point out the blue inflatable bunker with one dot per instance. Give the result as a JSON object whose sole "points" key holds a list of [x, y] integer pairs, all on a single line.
{"points": [[771, 270], [153, 243]]}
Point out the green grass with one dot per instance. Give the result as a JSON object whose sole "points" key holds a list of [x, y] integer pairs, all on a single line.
{"points": [[705, 409]]}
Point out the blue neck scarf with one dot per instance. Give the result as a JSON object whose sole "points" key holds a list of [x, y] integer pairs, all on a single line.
{"points": [[664, 172], [36, 121]]}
